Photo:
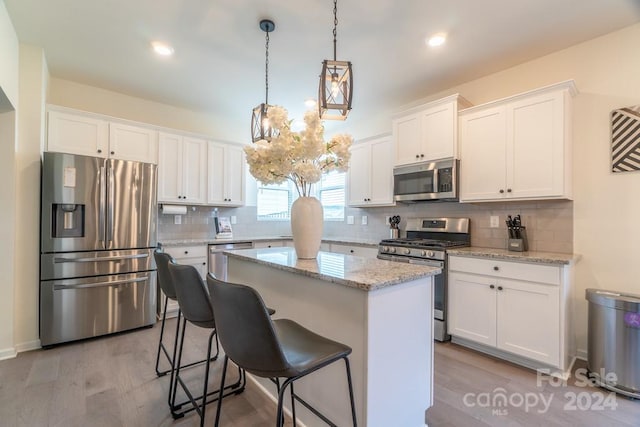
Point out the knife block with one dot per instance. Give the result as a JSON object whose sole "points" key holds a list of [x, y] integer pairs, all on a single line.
{"points": [[521, 244]]}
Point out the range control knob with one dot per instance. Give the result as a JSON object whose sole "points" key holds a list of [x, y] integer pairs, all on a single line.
{"points": [[423, 253], [407, 251], [392, 250], [431, 254], [385, 249]]}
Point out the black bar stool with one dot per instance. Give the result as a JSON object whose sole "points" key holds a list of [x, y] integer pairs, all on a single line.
{"points": [[196, 307], [270, 348]]}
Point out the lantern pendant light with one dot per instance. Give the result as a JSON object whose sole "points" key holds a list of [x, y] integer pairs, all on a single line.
{"points": [[260, 128], [336, 82]]}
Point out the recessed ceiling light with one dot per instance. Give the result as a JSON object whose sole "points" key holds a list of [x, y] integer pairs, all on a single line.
{"points": [[162, 49], [310, 102], [437, 39]]}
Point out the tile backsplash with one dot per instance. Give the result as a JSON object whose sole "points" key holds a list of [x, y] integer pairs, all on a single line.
{"points": [[549, 223]]}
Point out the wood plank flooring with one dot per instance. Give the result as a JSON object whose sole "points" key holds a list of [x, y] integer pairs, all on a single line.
{"points": [[111, 381]]}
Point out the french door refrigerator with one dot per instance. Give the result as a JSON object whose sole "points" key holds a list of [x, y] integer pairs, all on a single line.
{"points": [[98, 233]]}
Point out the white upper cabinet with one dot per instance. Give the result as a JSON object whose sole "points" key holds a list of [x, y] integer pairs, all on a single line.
{"points": [[136, 143], [428, 132], [76, 134], [226, 174], [518, 148], [370, 180], [89, 135], [182, 169]]}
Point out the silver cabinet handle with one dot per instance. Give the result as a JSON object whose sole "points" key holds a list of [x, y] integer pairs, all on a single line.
{"points": [[99, 284], [110, 202], [100, 259], [103, 204]]}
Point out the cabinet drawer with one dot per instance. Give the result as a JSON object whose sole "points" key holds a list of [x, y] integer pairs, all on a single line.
{"points": [[507, 269], [181, 252]]}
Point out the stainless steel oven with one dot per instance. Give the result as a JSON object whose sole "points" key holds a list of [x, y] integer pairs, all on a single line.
{"points": [[426, 244]]}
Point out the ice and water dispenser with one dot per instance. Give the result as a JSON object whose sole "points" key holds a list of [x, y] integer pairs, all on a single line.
{"points": [[67, 220]]}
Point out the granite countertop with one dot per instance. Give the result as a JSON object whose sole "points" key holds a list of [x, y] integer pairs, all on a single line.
{"points": [[367, 274], [188, 242], [503, 254]]}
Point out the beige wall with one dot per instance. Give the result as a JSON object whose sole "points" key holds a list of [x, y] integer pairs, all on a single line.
{"points": [[33, 86], [8, 57], [89, 98], [8, 105]]}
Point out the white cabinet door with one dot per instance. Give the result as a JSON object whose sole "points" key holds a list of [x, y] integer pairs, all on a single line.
{"points": [[235, 175], [226, 175], [194, 170], [407, 139], [438, 131], [381, 172], [529, 320], [359, 174], [535, 158], [76, 134], [472, 307], [370, 180], [135, 143], [170, 168], [483, 141], [182, 169]]}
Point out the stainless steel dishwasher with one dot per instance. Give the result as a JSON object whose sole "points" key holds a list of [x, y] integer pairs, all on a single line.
{"points": [[218, 260]]}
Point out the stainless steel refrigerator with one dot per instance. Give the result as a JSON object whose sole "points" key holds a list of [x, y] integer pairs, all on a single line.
{"points": [[98, 232]]}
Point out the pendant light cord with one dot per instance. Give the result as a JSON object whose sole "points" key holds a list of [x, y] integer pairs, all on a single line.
{"points": [[266, 70], [335, 27]]}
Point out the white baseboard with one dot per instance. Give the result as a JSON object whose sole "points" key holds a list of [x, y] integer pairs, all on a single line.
{"points": [[28, 346], [581, 354], [8, 353]]}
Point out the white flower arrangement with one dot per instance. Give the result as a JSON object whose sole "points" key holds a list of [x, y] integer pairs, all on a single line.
{"points": [[301, 157]]}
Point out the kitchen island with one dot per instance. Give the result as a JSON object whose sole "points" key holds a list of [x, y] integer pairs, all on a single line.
{"points": [[382, 309]]}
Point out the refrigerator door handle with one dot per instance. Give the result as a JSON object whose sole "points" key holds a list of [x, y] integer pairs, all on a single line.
{"points": [[102, 209], [59, 260], [110, 202], [100, 284]]}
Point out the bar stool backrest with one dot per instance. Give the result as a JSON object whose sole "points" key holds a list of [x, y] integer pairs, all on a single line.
{"points": [[245, 329], [193, 296], [163, 260]]}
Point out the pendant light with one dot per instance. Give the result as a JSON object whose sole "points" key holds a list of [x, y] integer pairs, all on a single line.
{"points": [[260, 128], [336, 82]]}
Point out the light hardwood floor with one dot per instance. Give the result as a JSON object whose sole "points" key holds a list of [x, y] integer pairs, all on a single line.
{"points": [[110, 381]]}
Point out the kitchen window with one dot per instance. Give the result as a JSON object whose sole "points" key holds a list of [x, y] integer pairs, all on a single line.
{"points": [[274, 201]]}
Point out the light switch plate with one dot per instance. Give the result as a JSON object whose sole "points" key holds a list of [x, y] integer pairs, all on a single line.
{"points": [[350, 219], [177, 219], [494, 221], [234, 219], [364, 220]]}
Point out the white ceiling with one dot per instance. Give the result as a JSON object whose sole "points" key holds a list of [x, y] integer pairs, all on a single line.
{"points": [[218, 65]]}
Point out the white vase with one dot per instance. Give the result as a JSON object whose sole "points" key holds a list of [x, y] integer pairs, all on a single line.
{"points": [[306, 226]]}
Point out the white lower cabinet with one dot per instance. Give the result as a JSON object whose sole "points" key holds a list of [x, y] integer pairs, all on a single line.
{"points": [[516, 308], [186, 255]]}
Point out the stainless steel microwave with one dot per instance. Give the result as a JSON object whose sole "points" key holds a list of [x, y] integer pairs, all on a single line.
{"points": [[426, 181]]}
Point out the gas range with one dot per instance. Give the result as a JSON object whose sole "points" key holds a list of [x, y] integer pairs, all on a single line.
{"points": [[426, 243], [427, 239]]}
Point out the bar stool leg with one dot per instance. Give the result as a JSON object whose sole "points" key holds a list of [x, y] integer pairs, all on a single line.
{"points": [[353, 405], [293, 406], [224, 375], [160, 345]]}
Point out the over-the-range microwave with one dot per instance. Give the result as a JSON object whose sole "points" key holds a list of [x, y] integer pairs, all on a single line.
{"points": [[426, 181]]}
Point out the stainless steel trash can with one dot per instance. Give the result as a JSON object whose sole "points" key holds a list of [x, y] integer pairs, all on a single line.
{"points": [[614, 340]]}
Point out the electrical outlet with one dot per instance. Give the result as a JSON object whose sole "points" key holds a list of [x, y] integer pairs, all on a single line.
{"points": [[350, 219], [177, 219], [494, 221], [234, 219], [364, 220], [387, 219]]}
